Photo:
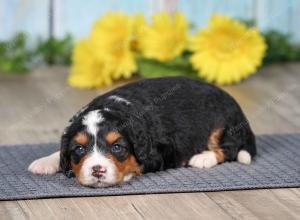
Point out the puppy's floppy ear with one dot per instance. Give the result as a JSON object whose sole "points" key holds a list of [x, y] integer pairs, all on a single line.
{"points": [[65, 158], [144, 149]]}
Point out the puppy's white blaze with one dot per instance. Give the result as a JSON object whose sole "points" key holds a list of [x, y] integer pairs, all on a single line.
{"points": [[91, 120], [46, 165], [206, 159], [119, 99], [97, 158], [244, 157]]}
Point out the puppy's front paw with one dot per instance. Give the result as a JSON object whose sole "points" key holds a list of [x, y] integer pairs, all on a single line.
{"points": [[206, 159], [46, 165]]}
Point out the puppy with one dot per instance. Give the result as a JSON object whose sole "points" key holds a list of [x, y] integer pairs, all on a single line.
{"points": [[151, 125]]}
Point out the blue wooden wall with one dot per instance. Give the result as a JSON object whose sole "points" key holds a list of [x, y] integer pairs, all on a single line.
{"points": [[77, 16]]}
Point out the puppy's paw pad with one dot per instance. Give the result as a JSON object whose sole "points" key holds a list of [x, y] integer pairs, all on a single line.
{"points": [[44, 165], [206, 159]]}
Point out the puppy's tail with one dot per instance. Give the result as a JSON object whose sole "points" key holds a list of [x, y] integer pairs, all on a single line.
{"points": [[248, 151]]}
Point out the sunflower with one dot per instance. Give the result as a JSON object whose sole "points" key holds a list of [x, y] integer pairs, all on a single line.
{"points": [[165, 38], [227, 51], [87, 71], [111, 38]]}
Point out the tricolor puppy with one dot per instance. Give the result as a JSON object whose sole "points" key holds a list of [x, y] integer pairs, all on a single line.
{"points": [[151, 125]]}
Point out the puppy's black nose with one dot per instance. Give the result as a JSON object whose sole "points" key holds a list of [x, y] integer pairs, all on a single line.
{"points": [[98, 171]]}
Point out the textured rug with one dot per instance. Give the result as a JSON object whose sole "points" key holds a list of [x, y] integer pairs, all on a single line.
{"points": [[276, 165]]}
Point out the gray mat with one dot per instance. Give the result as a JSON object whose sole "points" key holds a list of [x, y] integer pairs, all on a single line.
{"points": [[276, 165]]}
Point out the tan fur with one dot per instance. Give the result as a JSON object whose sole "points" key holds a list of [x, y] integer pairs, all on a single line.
{"points": [[112, 136], [81, 138], [213, 144], [126, 167], [77, 167]]}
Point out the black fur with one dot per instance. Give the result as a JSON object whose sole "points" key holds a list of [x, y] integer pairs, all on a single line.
{"points": [[167, 121]]}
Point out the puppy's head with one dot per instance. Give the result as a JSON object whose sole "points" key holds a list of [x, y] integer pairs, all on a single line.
{"points": [[97, 151]]}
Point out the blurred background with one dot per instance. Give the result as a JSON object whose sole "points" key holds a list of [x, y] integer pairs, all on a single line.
{"points": [[37, 39], [59, 17]]}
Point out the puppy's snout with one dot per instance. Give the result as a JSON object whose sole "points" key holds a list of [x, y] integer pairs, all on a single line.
{"points": [[98, 171]]}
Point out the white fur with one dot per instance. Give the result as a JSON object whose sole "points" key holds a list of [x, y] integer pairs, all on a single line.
{"points": [[119, 99], [206, 159], [91, 120], [85, 176], [128, 177], [244, 157], [46, 165]]}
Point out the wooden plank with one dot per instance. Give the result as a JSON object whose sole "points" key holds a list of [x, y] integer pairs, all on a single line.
{"points": [[270, 97], [197, 205], [168, 206], [232, 207], [280, 96], [58, 209], [262, 204], [12, 210], [296, 191], [289, 198]]}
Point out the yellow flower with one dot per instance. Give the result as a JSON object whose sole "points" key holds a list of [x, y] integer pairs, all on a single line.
{"points": [[227, 51], [87, 71], [108, 53], [111, 38], [165, 38], [138, 25]]}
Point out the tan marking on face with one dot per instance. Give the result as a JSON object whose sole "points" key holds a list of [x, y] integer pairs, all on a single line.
{"points": [[112, 136], [81, 138], [213, 144], [77, 167], [125, 167]]}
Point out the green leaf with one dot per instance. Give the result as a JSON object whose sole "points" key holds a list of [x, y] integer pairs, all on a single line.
{"points": [[55, 51], [280, 48], [179, 66], [14, 56]]}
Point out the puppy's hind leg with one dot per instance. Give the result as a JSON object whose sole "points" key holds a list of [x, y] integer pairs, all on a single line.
{"points": [[213, 155], [46, 165]]}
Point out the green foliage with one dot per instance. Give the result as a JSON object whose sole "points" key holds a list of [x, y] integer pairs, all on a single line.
{"points": [[14, 56], [248, 22], [55, 51], [280, 48], [180, 66]]}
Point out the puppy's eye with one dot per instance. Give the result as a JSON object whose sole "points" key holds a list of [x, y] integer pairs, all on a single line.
{"points": [[79, 150], [116, 148]]}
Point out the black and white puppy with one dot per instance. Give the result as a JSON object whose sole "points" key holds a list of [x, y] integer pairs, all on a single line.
{"points": [[151, 125]]}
